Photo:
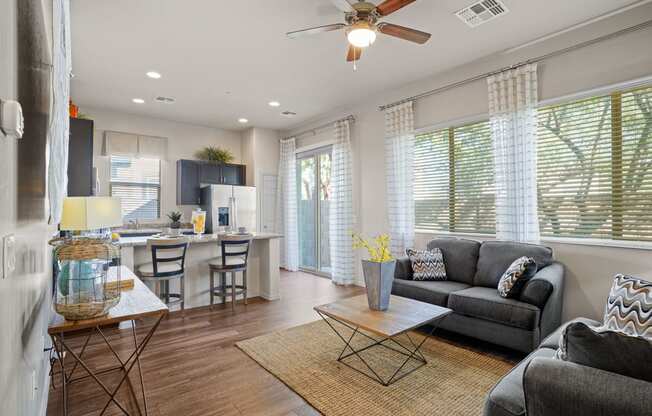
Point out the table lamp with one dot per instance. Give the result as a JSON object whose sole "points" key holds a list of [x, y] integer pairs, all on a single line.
{"points": [[90, 214]]}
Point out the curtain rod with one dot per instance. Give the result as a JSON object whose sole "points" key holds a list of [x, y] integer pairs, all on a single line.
{"points": [[540, 58], [320, 127]]}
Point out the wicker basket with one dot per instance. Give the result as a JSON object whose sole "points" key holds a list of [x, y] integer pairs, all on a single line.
{"points": [[81, 266]]}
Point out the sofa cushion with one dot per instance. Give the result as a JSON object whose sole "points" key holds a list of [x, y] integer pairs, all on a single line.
{"points": [[629, 306], [427, 264], [460, 257], [552, 341], [604, 349], [536, 292], [486, 303], [496, 256], [435, 292], [517, 274], [507, 397]]}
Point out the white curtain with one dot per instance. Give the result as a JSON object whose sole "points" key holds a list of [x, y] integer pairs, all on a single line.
{"points": [[59, 122], [399, 161], [341, 220], [286, 205], [513, 114]]}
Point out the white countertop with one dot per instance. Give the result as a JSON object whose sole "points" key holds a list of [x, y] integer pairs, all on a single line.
{"points": [[201, 239]]}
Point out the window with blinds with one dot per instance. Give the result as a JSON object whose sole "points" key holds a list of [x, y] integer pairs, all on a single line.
{"points": [[454, 180], [594, 160], [137, 181]]}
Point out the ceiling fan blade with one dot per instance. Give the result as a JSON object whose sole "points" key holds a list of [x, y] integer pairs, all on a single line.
{"points": [[315, 30], [390, 6], [353, 54], [343, 5], [406, 33]]}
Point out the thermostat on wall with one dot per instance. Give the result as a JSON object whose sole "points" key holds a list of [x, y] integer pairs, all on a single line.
{"points": [[12, 123]]}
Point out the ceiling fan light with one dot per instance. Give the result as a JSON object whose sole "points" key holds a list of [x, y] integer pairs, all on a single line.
{"points": [[361, 36]]}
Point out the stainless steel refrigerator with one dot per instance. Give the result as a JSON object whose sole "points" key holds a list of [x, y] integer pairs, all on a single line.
{"points": [[229, 207]]}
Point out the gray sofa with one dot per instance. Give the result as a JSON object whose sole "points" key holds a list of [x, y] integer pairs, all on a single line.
{"points": [[544, 386], [473, 270]]}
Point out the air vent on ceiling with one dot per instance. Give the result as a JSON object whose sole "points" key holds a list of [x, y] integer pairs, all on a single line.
{"points": [[288, 113], [482, 12], [165, 100]]}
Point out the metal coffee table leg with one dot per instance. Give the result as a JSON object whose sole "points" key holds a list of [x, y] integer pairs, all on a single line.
{"points": [[411, 352]]}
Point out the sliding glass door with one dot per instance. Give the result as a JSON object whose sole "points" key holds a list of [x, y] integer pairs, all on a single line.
{"points": [[313, 192]]}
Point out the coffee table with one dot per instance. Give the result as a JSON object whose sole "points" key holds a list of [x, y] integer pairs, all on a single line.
{"points": [[402, 316]]}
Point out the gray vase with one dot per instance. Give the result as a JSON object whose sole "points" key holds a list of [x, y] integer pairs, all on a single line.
{"points": [[378, 278]]}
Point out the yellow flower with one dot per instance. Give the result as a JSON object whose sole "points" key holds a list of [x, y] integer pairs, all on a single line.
{"points": [[378, 248]]}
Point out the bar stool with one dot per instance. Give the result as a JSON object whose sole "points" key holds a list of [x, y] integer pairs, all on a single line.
{"points": [[235, 252], [168, 262]]}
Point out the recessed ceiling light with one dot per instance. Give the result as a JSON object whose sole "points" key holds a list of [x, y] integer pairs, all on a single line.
{"points": [[138, 101], [243, 120], [274, 104], [154, 75]]}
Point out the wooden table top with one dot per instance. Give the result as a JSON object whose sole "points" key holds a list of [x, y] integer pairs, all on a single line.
{"points": [[403, 314], [139, 302]]}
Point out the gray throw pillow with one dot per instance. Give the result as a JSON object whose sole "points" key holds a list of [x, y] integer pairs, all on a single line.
{"points": [[520, 271], [427, 264], [629, 306], [607, 350]]}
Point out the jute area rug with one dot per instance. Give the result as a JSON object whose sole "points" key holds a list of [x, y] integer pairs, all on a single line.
{"points": [[455, 381]]}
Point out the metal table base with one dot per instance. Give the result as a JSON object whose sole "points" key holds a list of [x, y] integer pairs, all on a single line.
{"points": [[62, 349], [412, 351]]}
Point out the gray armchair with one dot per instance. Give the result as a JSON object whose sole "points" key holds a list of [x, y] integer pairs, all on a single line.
{"points": [[560, 388]]}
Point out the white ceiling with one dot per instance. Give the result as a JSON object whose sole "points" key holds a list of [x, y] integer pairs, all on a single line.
{"points": [[226, 59]]}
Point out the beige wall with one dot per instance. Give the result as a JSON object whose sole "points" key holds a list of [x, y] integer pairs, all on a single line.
{"points": [[589, 268], [25, 294], [183, 141], [260, 152]]}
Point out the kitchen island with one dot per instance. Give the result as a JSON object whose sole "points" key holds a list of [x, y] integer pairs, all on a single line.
{"points": [[263, 272]]}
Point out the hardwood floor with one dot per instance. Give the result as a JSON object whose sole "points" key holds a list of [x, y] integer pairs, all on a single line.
{"points": [[191, 365]]}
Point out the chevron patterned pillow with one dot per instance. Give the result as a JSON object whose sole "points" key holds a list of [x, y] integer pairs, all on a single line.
{"points": [[520, 271], [427, 264], [629, 306]]}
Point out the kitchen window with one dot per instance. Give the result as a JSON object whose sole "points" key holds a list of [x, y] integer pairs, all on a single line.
{"points": [[137, 182]]}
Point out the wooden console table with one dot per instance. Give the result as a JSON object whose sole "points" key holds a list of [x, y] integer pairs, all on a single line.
{"points": [[136, 303]]}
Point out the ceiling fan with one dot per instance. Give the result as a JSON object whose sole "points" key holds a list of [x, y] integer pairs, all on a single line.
{"points": [[362, 23]]}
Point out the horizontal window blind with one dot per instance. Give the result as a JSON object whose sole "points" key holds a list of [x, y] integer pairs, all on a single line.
{"points": [[594, 160], [137, 182], [432, 181], [475, 194], [454, 181], [633, 215]]}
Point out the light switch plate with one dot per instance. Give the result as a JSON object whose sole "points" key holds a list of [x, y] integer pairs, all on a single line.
{"points": [[8, 255]]}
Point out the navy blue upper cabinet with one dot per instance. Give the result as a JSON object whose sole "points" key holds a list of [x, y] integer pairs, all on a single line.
{"points": [[233, 174], [80, 158], [188, 192], [191, 174]]}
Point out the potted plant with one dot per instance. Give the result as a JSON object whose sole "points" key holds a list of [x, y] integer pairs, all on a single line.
{"points": [[175, 224], [214, 154], [378, 270]]}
